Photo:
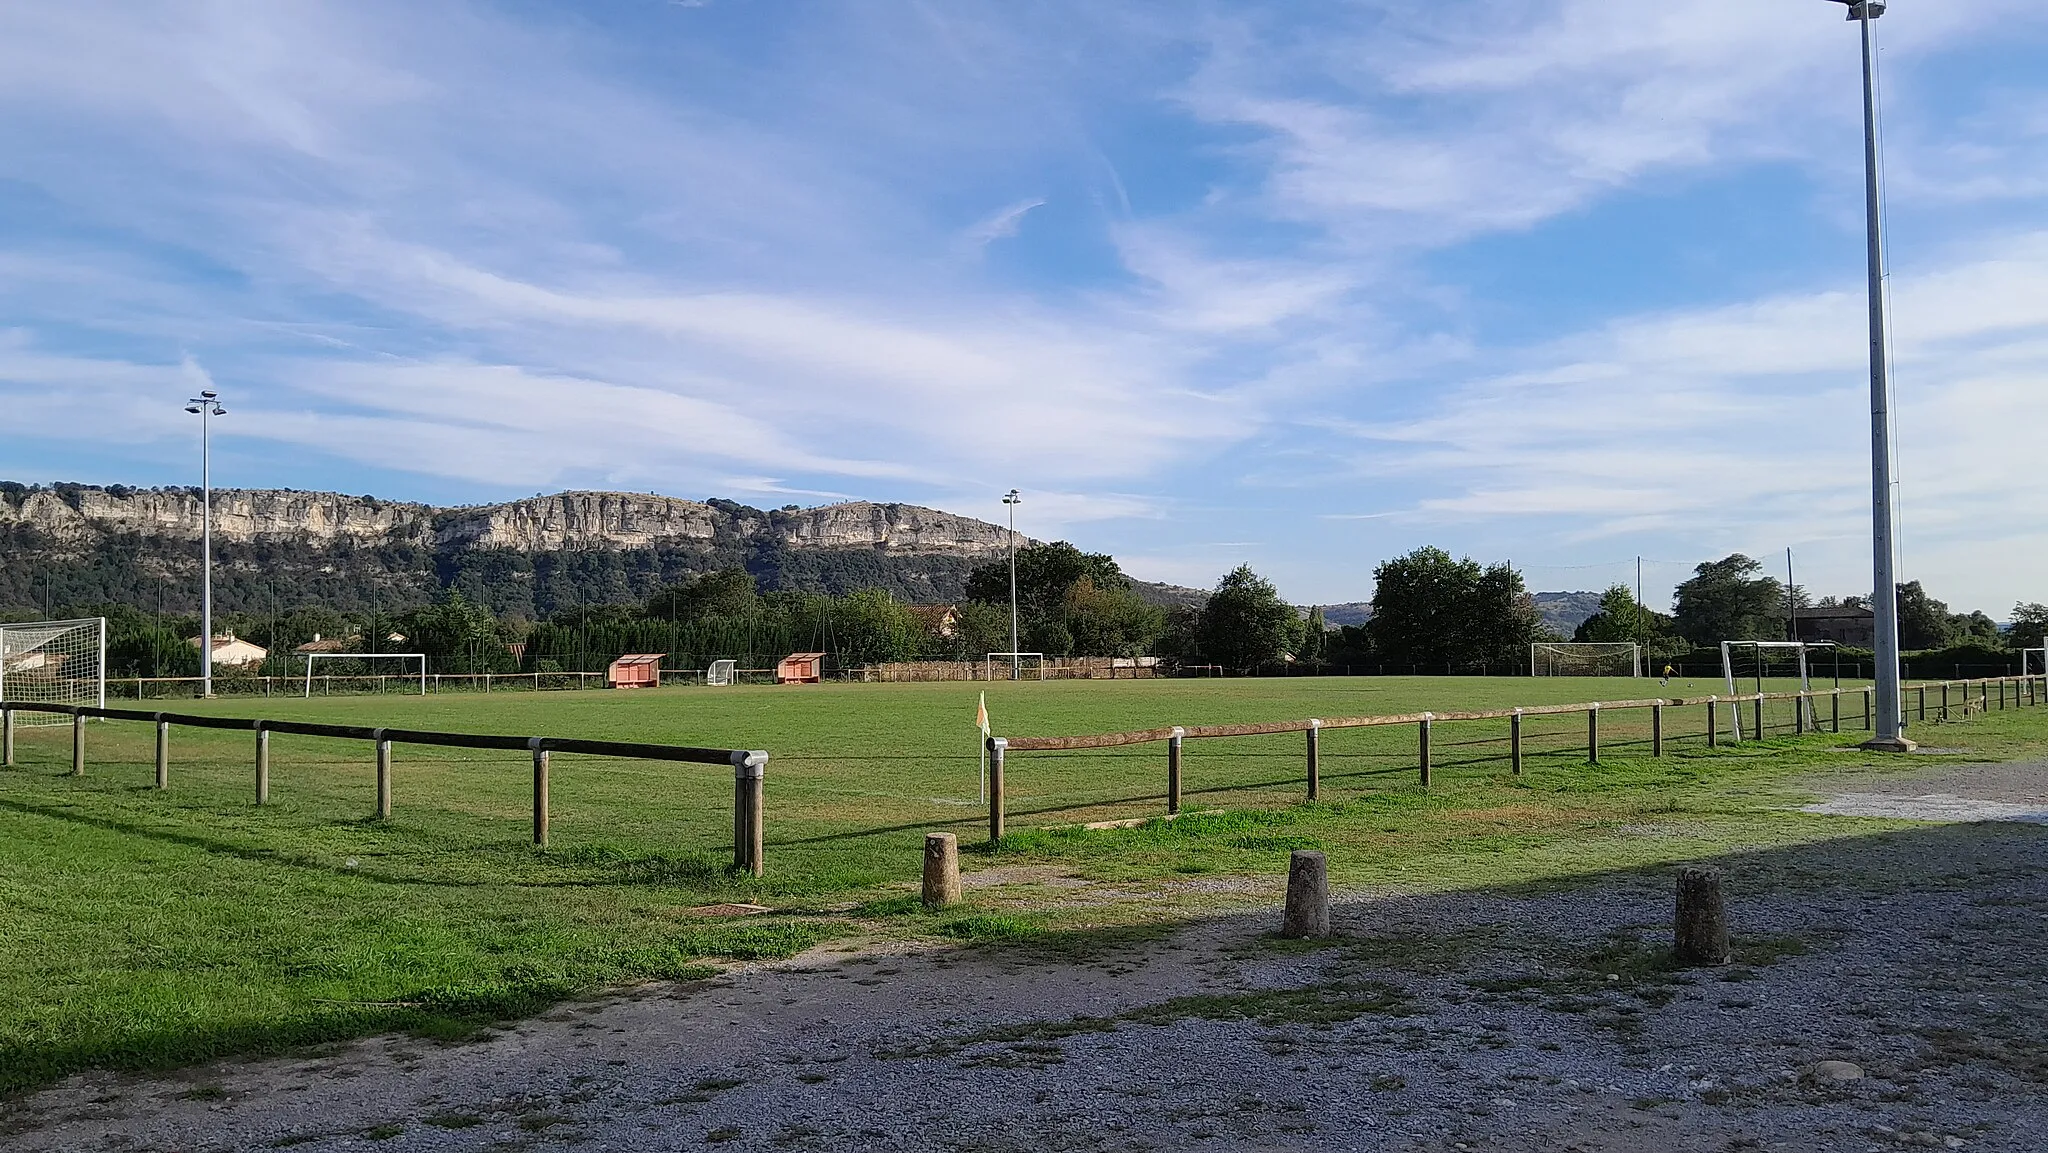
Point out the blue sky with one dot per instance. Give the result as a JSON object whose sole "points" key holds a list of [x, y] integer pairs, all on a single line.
{"points": [[1305, 285]]}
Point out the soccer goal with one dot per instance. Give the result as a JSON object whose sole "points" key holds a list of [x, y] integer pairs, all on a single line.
{"points": [[721, 672], [313, 658], [2034, 662], [1586, 659], [54, 663], [1037, 659], [1761, 654]]}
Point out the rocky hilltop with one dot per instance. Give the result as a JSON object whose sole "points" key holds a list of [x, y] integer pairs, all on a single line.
{"points": [[534, 555]]}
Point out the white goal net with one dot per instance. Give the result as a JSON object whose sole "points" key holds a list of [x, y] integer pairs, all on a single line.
{"points": [[721, 672], [1586, 659], [359, 678], [2034, 662], [54, 663]]}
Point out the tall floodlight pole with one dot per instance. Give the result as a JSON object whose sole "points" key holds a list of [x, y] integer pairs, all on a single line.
{"points": [[1888, 734], [1016, 661], [207, 406]]}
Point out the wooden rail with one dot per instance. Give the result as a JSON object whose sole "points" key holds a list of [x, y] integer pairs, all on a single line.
{"points": [[2031, 690], [749, 765]]}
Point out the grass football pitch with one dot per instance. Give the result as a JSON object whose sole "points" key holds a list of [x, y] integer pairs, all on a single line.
{"points": [[146, 928]]}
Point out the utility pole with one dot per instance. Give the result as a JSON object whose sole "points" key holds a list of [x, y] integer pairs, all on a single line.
{"points": [[1791, 598], [207, 406], [1888, 731], [1016, 660]]}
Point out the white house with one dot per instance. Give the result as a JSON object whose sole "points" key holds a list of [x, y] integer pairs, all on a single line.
{"points": [[231, 652]]}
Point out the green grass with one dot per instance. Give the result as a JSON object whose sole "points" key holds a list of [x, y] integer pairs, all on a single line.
{"points": [[146, 929]]}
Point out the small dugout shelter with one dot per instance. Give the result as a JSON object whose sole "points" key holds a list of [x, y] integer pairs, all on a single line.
{"points": [[800, 669], [635, 671]]}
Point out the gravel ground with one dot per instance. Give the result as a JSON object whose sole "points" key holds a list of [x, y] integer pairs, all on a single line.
{"points": [[1539, 1020]]}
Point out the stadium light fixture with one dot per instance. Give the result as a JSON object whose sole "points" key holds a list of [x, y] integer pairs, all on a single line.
{"points": [[1888, 734], [206, 406], [1012, 500]]}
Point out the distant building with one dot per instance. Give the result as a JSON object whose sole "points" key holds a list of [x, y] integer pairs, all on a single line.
{"points": [[1856, 627], [231, 652]]}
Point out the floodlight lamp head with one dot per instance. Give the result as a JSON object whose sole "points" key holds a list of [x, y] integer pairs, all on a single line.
{"points": [[193, 409], [207, 393], [1858, 8], [1013, 498]]}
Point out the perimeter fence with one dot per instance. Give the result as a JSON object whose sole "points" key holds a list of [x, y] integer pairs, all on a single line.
{"points": [[749, 766], [1379, 750]]}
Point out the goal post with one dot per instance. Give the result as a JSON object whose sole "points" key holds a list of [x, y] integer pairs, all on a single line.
{"points": [[54, 663], [1586, 659], [2030, 658], [989, 664], [721, 672], [312, 658], [1758, 651]]}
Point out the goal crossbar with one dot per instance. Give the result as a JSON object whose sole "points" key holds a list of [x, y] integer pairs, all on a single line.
{"points": [[312, 657]]}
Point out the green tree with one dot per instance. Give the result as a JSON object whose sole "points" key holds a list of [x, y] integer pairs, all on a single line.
{"points": [[726, 593], [1924, 623], [2029, 625], [1246, 625], [1726, 601], [1315, 636], [871, 628], [458, 636], [1432, 612], [1069, 602]]}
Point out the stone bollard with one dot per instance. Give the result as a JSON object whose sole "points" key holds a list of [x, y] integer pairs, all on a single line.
{"points": [[1308, 895], [1699, 934], [941, 870]]}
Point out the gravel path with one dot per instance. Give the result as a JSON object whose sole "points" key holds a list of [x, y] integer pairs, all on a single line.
{"points": [[1541, 1020]]}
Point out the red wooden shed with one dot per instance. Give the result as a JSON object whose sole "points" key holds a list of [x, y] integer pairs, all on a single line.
{"points": [[635, 671], [800, 669]]}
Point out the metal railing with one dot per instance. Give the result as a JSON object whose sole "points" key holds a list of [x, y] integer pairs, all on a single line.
{"points": [[749, 765]]}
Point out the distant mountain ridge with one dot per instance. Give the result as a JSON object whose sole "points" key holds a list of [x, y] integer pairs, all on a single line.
{"points": [[79, 544]]}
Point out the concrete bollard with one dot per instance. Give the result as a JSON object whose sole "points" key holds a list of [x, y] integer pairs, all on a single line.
{"points": [[941, 870], [1699, 933], [1308, 895]]}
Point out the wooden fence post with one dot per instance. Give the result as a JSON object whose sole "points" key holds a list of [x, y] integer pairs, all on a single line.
{"points": [[1984, 696], [1593, 733], [1173, 770], [1868, 696], [1835, 710], [1515, 742], [540, 793], [941, 870], [1923, 704], [163, 752], [1423, 737], [1944, 700], [1713, 723], [1307, 913], [997, 746], [1315, 759], [383, 775], [750, 772], [1699, 932], [1800, 704], [1758, 709], [1657, 729], [77, 745], [262, 764], [6, 738]]}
